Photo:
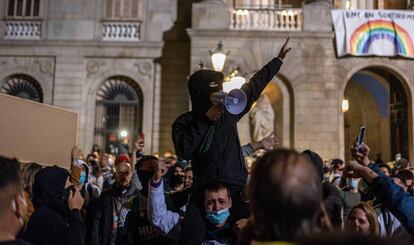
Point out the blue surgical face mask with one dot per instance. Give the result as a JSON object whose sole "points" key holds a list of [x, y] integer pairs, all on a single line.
{"points": [[353, 183], [218, 217], [82, 178]]}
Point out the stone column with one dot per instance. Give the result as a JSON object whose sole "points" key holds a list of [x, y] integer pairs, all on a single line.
{"points": [[211, 14], [317, 15]]}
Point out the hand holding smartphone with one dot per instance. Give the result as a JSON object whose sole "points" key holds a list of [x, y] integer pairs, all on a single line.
{"points": [[140, 142], [361, 137]]}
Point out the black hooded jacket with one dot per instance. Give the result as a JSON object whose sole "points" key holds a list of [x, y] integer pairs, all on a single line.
{"points": [[214, 147], [52, 221]]}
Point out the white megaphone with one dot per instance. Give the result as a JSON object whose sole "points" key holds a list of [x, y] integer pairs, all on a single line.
{"points": [[234, 101]]}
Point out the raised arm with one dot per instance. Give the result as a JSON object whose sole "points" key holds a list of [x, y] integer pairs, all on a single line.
{"points": [[158, 214], [260, 79]]}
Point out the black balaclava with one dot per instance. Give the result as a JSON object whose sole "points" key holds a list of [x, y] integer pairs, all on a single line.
{"points": [[200, 86], [143, 175], [49, 189]]}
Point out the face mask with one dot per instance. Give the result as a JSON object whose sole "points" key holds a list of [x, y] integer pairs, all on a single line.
{"points": [[144, 178], [82, 178], [177, 179], [353, 183], [218, 217]]}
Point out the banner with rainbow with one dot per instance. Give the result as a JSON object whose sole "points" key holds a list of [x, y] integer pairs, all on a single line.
{"points": [[374, 32]]}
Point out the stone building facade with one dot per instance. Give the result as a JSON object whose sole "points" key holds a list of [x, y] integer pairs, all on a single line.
{"points": [[79, 53]]}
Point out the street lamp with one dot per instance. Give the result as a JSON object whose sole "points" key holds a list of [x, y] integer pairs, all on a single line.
{"points": [[218, 57], [345, 105], [232, 80]]}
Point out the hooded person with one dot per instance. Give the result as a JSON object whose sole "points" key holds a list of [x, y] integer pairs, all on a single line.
{"points": [[208, 136], [57, 204]]}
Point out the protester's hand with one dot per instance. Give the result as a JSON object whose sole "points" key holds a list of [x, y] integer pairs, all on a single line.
{"points": [[159, 170], [239, 225], [361, 154], [355, 167], [214, 113], [76, 153], [284, 50], [269, 142], [75, 200], [139, 144]]}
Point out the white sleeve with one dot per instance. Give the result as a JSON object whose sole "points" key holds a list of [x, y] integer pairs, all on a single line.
{"points": [[157, 209]]}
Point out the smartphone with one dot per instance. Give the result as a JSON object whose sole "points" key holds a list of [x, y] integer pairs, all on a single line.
{"points": [[361, 137]]}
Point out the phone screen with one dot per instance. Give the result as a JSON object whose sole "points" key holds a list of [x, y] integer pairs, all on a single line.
{"points": [[361, 136]]}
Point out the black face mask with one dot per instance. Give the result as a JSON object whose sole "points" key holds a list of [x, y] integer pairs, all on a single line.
{"points": [[177, 180], [145, 178]]}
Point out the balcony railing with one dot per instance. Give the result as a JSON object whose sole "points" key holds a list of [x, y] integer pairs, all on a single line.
{"points": [[267, 19], [23, 29], [121, 31]]}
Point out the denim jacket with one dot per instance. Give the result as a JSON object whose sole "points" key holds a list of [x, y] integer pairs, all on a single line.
{"points": [[394, 198]]}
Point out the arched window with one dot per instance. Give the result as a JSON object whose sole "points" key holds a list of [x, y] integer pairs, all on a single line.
{"points": [[118, 114], [23, 86], [123, 9]]}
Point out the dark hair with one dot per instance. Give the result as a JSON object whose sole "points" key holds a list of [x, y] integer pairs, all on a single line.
{"points": [[406, 174], [397, 176], [29, 172], [384, 165], [316, 160], [285, 196], [216, 186], [96, 170], [143, 159], [10, 180], [336, 163]]}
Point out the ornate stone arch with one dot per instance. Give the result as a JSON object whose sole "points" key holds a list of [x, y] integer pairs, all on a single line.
{"points": [[45, 82], [354, 67], [90, 103], [23, 86]]}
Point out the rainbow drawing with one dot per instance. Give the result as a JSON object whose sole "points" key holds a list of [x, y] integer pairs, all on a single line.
{"points": [[371, 31]]}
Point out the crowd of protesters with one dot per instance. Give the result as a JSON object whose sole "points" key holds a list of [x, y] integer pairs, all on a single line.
{"points": [[206, 193]]}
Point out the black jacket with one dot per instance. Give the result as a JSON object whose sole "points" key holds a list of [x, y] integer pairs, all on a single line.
{"points": [[103, 218], [52, 221], [222, 159]]}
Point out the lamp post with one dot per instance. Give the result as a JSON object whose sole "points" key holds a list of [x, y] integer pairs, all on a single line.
{"points": [[232, 80], [218, 57], [345, 105]]}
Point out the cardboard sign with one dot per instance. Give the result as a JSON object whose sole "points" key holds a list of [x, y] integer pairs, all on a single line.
{"points": [[35, 132]]}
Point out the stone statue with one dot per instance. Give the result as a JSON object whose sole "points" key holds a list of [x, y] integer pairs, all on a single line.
{"points": [[262, 119]]}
